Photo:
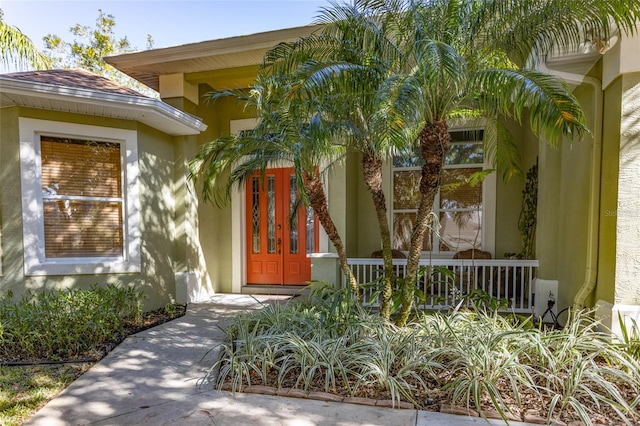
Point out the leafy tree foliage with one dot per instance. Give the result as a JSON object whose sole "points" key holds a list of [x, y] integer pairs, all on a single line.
{"points": [[88, 48]]}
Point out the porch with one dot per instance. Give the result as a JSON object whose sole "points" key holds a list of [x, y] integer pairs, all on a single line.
{"points": [[446, 282]]}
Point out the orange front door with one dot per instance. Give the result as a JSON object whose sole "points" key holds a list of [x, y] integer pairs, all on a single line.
{"points": [[279, 232]]}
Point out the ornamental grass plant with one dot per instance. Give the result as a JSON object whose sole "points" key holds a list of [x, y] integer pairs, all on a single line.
{"points": [[469, 358]]}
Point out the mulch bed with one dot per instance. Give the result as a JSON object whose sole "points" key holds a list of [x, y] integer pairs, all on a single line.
{"points": [[532, 408], [149, 320]]}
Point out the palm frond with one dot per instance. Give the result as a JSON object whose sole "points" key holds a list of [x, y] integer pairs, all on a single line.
{"points": [[501, 150], [523, 27], [18, 50], [553, 111]]}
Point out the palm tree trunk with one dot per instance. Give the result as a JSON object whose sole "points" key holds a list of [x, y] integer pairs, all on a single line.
{"points": [[318, 202], [372, 171], [434, 144]]}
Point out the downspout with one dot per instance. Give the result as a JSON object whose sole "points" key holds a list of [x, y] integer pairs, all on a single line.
{"points": [[591, 270]]}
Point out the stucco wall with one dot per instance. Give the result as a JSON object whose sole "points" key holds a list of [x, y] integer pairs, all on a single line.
{"points": [[628, 209], [216, 223], [563, 203], [609, 197], [10, 199], [337, 189], [156, 164], [509, 194], [361, 204]]}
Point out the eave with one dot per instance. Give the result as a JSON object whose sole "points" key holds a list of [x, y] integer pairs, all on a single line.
{"points": [[152, 112], [208, 56]]}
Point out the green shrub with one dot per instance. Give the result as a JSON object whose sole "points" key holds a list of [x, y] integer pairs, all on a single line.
{"points": [[65, 324]]}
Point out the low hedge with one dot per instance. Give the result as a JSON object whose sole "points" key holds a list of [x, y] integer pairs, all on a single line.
{"points": [[65, 324]]}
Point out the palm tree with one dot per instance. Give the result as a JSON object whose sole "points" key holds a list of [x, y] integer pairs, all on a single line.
{"points": [[391, 74], [290, 129], [345, 66], [18, 50], [474, 58]]}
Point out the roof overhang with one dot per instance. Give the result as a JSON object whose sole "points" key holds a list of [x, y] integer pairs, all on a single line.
{"points": [[202, 62], [575, 61], [580, 58], [152, 112]]}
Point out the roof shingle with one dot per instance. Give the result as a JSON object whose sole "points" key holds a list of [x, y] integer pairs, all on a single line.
{"points": [[75, 78]]}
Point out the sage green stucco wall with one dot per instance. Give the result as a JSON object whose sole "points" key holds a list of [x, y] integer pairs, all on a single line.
{"points": [[344, 205], [368, 230], [353, 207], [215, 224], [612, 112], [340, 207], [563, 205], [157, 210], [509, 194], [157, 193], [10, 199]]}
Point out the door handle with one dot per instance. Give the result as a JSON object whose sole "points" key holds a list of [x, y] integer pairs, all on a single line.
{"points": [[279, 244]]}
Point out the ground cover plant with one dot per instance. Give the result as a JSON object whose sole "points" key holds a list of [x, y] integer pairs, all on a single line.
{"points": [[469, 358], [65, 324], [49, 339]]}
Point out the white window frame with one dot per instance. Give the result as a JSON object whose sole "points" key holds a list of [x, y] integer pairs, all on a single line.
{"points": [[35, 261], [488, 210]]}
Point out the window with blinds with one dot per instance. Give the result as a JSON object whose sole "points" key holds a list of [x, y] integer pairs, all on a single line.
{"points": [[82, 198]]}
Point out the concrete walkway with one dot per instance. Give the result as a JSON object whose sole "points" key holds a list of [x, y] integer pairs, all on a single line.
{"points": [[150, 379]]}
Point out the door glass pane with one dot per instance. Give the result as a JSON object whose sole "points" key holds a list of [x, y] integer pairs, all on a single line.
{"points": [[271, 214], [293, 214], [311, 227], [255, 214]]}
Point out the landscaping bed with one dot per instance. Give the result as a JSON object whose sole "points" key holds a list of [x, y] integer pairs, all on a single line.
{"points": [[466, 361], [49, 340]]}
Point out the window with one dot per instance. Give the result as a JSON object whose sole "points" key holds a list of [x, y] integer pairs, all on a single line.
{"points": [[80, 198], [459, 206]]}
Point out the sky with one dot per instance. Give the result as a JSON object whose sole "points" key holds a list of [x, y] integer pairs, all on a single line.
{"points": [[169, 22]]}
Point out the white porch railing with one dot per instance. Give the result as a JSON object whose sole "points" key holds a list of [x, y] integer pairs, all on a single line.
{"points": [[445, 282]]}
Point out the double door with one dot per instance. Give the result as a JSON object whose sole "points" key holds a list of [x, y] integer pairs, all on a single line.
{"points": [[280, 230]]}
